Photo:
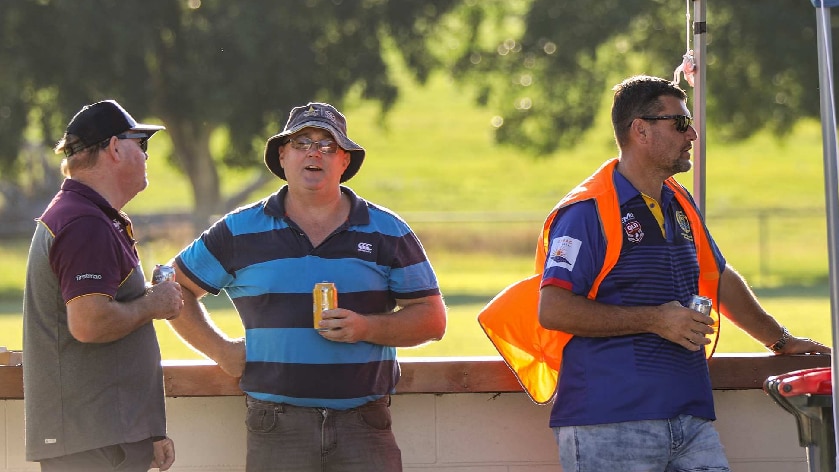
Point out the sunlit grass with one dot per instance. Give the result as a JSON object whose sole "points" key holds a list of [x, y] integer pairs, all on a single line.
{"points": [[807, 316]]}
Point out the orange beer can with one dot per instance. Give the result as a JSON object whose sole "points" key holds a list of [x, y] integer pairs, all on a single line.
{"points": [[324, 297]]}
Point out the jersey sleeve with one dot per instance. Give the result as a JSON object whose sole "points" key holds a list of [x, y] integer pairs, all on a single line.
{"points": [[85, 257], [203, 262], [576, 248]]}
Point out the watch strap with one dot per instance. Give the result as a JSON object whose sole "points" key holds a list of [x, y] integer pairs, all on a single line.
{"points": [[778, 345]]}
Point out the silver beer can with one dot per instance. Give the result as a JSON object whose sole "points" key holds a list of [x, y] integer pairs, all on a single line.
{"points": [[700, 304], [162, 273]]}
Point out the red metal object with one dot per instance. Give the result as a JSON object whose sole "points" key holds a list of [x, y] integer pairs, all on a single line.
{"points": [[808, 381], [808, 395]]}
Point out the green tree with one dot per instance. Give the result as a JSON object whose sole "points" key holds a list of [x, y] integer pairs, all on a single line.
{"points": [[198, 66], [544, 65]]}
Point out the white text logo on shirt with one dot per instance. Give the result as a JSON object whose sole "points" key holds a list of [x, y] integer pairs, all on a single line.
{"points": [[365, 247], [80, 277]]}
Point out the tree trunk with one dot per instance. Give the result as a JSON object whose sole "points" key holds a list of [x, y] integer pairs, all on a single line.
{"points": [[192, 152]]}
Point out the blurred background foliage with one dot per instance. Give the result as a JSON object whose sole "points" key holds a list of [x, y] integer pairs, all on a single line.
{"points": [[483, 112], [227, 73]]}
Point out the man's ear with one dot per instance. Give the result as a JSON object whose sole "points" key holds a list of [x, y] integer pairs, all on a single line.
{"points": [[112, 145], [638, 129]]}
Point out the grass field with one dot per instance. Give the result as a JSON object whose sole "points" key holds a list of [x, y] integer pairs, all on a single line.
{"points": [[434, 158]]}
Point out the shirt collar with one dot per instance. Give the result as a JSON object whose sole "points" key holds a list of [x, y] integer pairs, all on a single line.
{"points": [[70, 185], [359, 214], [626, 191]]}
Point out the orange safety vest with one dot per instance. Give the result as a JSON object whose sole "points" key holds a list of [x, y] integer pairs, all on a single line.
{"points": [[511, 319]]}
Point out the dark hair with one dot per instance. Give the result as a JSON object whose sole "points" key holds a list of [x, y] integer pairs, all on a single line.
{"points": [[638, 96]]}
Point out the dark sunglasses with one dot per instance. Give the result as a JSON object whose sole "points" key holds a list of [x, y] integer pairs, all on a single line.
{"points": [[143, 137], [683, 122]]}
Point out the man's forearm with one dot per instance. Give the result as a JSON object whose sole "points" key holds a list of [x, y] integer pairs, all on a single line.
{"points": [[196, 328]]}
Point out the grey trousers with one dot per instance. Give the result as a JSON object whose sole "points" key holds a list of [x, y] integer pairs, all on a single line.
{"points": [[131, 457], [285, 438]]}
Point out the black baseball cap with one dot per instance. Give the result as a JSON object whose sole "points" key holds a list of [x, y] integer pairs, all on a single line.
{"points": [[99, 121], [315, 115]]}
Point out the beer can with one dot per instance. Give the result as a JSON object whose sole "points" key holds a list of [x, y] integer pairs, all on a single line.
{"points": [[700, 304], [324, 297], [162, 273]]}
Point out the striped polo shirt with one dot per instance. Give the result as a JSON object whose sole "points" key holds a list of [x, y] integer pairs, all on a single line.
{"points": [[634, 377], [268, 268]]}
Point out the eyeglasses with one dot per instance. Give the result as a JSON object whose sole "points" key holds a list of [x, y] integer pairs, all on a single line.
{"points": [[683, 122], [326, 146], [143, 137]]}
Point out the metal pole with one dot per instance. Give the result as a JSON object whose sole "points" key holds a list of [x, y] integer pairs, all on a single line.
{"points": [[831, 184], [699, 47]]}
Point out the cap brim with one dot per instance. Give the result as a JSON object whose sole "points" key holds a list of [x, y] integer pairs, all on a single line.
{"points": [[151, 129], [142, 127]]}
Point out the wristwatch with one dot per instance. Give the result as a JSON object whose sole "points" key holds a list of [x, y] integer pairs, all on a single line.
{"points": [[780, 343]]}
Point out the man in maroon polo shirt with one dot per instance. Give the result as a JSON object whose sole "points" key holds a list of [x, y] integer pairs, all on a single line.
{"points": [[93, 383]]}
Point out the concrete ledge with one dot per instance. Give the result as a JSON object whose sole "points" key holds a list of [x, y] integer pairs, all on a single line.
{"points": [[449, 375]]}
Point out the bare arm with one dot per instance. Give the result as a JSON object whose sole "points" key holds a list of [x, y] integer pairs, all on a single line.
{"points": [[98, 318], [416, 322], [196, 328], [562, 310], [739, 304]]}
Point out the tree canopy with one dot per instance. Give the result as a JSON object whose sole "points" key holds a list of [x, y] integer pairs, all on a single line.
{"points": [[198, 65], [543, 66], [547, 77]]}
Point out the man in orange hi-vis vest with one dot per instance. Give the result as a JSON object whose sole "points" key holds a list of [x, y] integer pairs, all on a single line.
{"points": [[620, 259]]}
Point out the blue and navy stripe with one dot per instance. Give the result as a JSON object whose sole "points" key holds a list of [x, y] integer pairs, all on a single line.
{"points": [[268, 268]]}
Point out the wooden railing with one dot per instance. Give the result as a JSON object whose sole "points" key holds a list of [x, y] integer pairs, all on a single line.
{"points": [[449, 375]]}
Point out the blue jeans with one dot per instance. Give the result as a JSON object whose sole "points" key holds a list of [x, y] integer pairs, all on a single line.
{"points": [[290, 438], [681, 444]]}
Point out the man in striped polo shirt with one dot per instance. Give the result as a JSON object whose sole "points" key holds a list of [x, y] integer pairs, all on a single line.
{"points": [[317, 398]]}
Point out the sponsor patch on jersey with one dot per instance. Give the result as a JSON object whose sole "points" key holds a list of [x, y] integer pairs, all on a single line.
{"points": [[563, 252], [633, 229], [684, 225]]}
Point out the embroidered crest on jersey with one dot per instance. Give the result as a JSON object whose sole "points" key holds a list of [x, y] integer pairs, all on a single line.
{"points": [[563, 252], [684, 225], [634, 232]]}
